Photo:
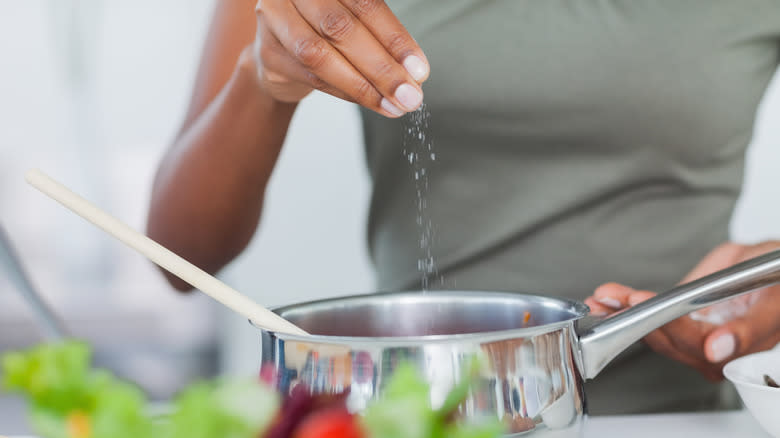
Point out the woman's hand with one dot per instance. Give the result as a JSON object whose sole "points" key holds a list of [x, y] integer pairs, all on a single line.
{"points": [[356, 50], [694, 340]]}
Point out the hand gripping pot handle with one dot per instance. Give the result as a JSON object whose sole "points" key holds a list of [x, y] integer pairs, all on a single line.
{"points": [[600, 343]]}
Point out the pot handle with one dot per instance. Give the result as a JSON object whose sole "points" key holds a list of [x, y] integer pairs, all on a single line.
{"points": [[600, 343]]}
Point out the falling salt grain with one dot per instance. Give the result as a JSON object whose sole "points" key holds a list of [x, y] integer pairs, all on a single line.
{"points": [[418, 149]]}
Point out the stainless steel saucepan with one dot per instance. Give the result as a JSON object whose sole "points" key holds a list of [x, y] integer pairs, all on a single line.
{"points": [[537, 357]]}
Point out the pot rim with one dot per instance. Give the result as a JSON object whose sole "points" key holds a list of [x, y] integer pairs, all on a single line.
{"points": [[577, 310]]}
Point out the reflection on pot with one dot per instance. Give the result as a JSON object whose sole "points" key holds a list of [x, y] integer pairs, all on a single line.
{"points": [[529, 382], [533, 381]]}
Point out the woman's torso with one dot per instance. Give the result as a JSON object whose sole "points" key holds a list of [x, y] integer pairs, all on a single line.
{"points": [[576, 142]]}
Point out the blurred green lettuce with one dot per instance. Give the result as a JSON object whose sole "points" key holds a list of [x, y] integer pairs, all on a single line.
{"points": [[61, 385], [59, 382]]}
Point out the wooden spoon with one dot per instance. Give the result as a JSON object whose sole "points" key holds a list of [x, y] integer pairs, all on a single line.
{"points": [[163, 257]]}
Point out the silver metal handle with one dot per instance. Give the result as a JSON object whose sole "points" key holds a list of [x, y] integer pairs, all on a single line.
{"points": [[600, 343], [53, 328]]}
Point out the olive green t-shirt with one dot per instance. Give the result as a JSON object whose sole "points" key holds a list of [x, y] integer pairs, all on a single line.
{"points": [[576, 142]]}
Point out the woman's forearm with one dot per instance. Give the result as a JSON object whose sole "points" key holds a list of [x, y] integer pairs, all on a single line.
{"points": [[208, 192]]}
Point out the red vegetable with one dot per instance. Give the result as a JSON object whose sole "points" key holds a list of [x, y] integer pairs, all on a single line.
{"points": [[334, 422], [298, 406]]}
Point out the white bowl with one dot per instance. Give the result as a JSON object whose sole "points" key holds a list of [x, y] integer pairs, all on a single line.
{"points": [[763, 402]]}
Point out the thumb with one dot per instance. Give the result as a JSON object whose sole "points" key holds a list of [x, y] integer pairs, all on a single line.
{"points": [[722, 343], [739, 337], [758, 329]]}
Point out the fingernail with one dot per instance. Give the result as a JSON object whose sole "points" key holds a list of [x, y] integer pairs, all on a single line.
{"points": [[409, 97], [390, 108], [610, 302], [416, 67], [598, 313], [723, 347]]}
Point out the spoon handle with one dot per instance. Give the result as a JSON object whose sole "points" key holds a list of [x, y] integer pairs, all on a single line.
{"points": [[163, 257]]}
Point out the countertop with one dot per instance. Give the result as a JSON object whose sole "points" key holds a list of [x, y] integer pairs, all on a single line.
{"points": [[711, 425]]}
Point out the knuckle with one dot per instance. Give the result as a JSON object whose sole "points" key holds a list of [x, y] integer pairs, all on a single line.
{"points": [[364, 92], [388, 75], [384, 70], [398, 43], [336, 25], [364, 8], [311, 52], [315, 81]]}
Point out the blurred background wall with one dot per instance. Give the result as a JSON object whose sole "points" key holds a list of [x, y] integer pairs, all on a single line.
{"points": [[92, 92]]}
